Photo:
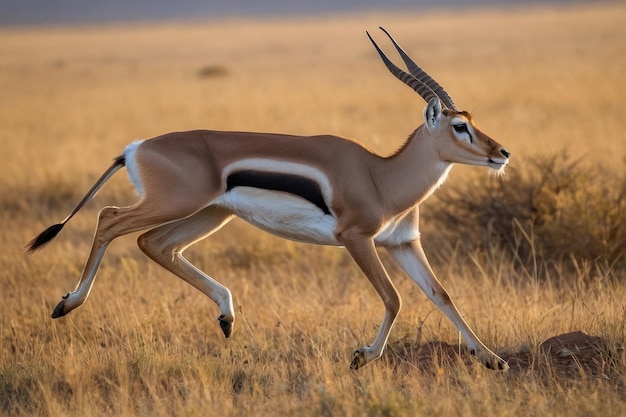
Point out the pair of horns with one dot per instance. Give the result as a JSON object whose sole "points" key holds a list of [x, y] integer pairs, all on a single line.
{"points": [[416, 78]]}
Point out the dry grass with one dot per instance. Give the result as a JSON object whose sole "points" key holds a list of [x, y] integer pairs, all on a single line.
{"points": [[538, 80]]}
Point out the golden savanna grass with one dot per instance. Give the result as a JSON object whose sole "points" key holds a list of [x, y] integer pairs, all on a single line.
{"points": [[539, 80]]}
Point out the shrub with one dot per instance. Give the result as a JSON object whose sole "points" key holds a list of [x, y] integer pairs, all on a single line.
{"points": [[556, 210], [212, 71]]}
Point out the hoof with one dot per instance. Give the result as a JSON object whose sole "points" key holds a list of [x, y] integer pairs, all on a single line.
{"points": [[492, 361], [358, 360], [59, 310], [498, 364], [226, 326]]}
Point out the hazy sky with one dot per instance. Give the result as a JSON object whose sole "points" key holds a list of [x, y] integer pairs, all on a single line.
{"points": [[34, 12]]}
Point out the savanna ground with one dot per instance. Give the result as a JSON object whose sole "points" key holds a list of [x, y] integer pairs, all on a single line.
{"points": [[536, 254]]}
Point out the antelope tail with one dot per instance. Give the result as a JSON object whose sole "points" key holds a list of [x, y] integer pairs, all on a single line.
{"points": [[47, 235]]}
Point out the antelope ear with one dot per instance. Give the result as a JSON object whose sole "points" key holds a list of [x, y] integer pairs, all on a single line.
{"points": [[432, 114]]}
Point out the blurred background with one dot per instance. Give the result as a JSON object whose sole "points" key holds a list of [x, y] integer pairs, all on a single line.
{"points": [[32, 12], [536, 253]]}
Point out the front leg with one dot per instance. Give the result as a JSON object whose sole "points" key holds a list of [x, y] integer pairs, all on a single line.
{"points": [[363, 251], [411, 258]]}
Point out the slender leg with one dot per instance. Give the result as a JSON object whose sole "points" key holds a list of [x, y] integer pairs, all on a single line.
{"points": [[166, 243], [114, 222], [364, 253], [412, 259]]}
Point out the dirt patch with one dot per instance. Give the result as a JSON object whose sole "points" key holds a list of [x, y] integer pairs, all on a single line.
{"points": [[568, 357]]}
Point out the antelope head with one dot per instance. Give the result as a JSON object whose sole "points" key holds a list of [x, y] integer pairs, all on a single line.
{"points": [[454, 133]]}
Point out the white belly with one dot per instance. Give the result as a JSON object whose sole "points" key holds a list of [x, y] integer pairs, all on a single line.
{"points": [[281, 214]]}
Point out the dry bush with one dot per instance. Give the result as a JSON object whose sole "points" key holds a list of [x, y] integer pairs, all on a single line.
{"points": [[212, 71], [555, 211]]}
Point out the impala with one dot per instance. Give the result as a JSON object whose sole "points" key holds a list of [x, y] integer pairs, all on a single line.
{"points": [[324, 190]]}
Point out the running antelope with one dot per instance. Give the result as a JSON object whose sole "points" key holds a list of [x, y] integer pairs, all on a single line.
{"points": [[324, 190]]}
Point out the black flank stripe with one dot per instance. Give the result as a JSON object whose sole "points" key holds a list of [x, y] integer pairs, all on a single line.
{"points": [[294, 184]]}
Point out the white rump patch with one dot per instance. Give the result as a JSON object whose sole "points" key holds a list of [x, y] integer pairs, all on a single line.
{"points": [[131, 166]]}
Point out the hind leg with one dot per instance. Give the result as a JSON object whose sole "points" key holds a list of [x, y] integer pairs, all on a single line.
{"points": [[114, 222], [165, 245]]}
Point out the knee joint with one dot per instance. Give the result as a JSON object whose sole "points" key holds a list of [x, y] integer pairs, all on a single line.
{"points": [[393, 304], [441, 294], [153, 248]]}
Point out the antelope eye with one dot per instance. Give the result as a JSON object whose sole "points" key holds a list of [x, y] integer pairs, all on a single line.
{"points": [[461, 128]]}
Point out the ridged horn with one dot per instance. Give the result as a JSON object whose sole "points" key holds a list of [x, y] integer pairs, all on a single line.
{"points": [[417, 78]]}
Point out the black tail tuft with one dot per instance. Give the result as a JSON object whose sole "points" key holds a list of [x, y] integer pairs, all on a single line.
{"points": [[49, 234], [44, 237]]}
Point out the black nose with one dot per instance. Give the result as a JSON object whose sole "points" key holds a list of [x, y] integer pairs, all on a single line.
{"points": [[505, 153]]}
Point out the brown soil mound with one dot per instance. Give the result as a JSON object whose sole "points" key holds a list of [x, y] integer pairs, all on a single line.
{"points": [[569, 356]]}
